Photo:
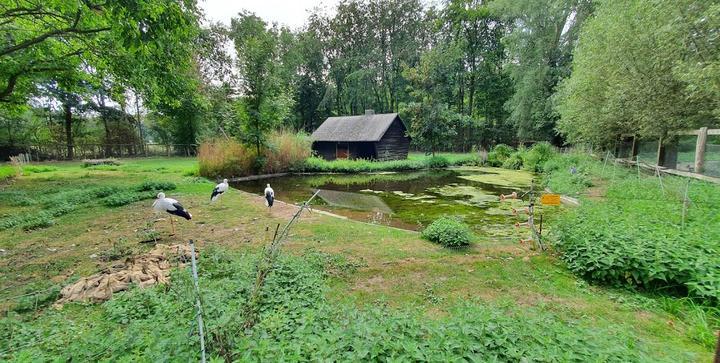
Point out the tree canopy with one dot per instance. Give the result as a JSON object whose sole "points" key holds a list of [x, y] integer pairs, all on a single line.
{"points": [[463, 74]]}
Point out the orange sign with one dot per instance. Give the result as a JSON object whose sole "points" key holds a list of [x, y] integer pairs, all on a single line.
{"points": [[550, 199]]}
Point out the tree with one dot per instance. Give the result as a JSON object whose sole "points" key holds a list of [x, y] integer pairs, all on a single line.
{"points": [[643, 68], [44, 39], [265, 102], [483, 86], [540, 51], [432, 122]]}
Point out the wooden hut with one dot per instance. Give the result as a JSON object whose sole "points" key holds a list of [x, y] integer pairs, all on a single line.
{"points": [[368, 136]]}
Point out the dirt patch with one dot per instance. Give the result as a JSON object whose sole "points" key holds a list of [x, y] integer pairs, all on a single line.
{"points": [[371, 284], [145, 270]]}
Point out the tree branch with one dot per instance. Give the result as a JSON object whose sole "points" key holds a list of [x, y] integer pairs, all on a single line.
{"points": [[72, 29]]}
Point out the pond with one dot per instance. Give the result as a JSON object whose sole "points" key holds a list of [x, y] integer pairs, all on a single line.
{"points": [[410, 200]]}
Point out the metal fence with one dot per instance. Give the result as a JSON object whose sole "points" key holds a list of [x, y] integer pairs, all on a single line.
{"points": [[693, 151], [39, 152]]}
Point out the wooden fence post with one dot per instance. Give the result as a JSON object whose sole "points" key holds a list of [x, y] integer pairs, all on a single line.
{"points": [[700, 150]]}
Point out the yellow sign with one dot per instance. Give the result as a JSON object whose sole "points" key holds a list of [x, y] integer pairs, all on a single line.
{"points": [[550, 199]]}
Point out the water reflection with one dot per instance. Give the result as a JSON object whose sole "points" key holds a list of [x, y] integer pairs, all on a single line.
{"points": [[408, 200]]}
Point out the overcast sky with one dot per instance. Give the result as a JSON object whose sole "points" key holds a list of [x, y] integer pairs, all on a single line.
{"points": [[292, 13]]}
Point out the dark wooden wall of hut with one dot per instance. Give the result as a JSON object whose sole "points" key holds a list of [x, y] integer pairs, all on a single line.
{"points": [[394, 144], [362, 150], [324, 149]]}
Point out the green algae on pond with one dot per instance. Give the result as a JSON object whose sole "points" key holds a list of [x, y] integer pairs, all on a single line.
{"points": [[411, 200]]}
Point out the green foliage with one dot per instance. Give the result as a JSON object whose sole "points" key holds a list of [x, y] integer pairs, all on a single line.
{"points": [[515, 160], [438, 162], [498, 155], [16, 198], [266, 101], [560, 177], [146, 323], [449, 232], [414, 162], [33, 302], [541, 58], [636, 238], [535, 158], [36, 221], [316, 164], [7, 172], [127, 197], [649, 84], [34, 169], [155, 186]]}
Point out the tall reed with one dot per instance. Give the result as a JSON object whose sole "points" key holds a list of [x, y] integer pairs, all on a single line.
{"points": [[229, 158]]}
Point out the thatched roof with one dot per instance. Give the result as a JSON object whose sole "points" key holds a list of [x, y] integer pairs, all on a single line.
{"points": [[368, 127]]}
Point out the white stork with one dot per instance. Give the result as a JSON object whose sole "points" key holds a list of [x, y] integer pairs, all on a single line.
{"points": [[171, 206], [269, 196], [219, 190]]}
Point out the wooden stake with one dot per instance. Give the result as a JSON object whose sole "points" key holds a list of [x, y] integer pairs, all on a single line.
{"points": [[201, 326], [685, 203]]}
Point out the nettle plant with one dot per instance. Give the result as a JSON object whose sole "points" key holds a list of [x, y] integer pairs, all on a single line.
{"points": [[449, 232], [639, 238]]}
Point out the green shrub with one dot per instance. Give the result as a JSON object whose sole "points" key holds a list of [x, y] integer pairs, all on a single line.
{"points": [[448, 232], [123, 198], [498, 155], [438, 162], [34, 169], [37, 221], [155, 186], [514, 161], [536, 157], [102, 192], [316, 164], [7, 172]]}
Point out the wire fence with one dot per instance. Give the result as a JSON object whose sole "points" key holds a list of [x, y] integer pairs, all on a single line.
{"points": [[55, 151]]}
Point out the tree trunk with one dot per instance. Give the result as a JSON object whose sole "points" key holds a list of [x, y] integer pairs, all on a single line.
{"points": [[103, 116], [139, 124], [68, 131]]}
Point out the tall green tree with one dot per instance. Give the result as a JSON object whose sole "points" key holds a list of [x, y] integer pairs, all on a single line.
{"points": [[265, 101], [644, 68], [433, 123], [540, 54]]}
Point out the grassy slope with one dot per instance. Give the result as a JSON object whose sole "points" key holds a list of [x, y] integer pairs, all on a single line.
{"points": [[401, 269]]}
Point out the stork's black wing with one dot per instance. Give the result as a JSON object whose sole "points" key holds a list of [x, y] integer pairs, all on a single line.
{"points": [[269, 199], [180, 211], [215, 193]]}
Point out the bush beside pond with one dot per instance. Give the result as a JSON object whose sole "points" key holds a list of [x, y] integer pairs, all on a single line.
{"points": [[448, 232]]}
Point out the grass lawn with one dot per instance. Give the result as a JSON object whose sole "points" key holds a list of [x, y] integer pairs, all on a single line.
{"points": [[392, 268]]}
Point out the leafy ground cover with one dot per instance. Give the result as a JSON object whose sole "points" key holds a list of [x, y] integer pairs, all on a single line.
{"points": [[638, 233], [448, 232], [343, 289]]}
